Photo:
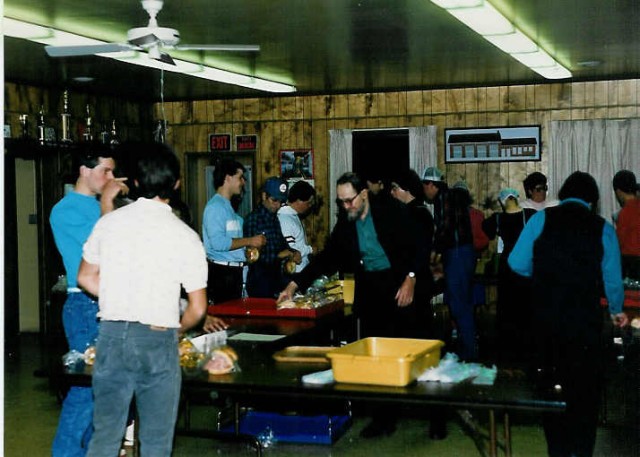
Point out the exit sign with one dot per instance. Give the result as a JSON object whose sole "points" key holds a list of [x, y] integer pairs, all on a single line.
{"points": [[219, 142], [246, 142]]}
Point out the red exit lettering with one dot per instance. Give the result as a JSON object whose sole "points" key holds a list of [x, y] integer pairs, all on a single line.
{"points": [[220, 142]]}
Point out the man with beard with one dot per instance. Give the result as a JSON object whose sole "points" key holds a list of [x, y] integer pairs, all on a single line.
{"points": [[376, 240]]}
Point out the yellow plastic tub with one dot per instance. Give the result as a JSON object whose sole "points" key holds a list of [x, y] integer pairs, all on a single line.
{"points": [[384, 361]]}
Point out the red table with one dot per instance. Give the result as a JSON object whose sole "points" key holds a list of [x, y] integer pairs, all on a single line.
{"points": [[266, 307]]}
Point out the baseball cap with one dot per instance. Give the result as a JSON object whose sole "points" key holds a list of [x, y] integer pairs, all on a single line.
{"points": [[506, 193], [431, 174], [276, 188], [461, 185]]}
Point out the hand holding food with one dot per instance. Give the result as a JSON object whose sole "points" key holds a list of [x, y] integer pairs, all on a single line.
{"points": [[252, 254], [287, 293]]}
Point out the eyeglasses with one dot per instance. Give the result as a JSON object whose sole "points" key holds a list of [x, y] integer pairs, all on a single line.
{"points": [[541, 188], [348, 201]]}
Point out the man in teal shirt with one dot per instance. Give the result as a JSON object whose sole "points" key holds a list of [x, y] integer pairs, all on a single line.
{"points": [[72, 220]]}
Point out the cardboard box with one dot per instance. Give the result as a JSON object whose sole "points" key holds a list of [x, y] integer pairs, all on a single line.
{"points": [[384, 361]]}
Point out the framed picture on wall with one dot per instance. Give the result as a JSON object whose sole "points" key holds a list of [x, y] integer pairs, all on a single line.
{"points": [[296, 163], [492, 144]]}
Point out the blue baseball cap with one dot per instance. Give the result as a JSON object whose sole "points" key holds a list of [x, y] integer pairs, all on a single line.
{"points": [[276, 188]]}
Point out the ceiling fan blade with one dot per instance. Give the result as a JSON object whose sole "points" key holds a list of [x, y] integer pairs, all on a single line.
{"points": [[145, 40], [165, 58], [218, 47], [85, 50]]}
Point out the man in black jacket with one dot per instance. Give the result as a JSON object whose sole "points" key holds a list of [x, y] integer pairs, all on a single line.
{"points": [[376, 240]]}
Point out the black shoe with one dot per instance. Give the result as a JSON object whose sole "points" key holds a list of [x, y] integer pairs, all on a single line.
{"points": [[375, 429]]}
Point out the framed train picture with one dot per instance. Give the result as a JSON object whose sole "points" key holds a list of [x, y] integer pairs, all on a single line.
{"points": [[492, 144]]}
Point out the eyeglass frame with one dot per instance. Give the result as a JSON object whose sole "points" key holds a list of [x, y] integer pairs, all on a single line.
{"points": [[540, 188], [348, 202]]}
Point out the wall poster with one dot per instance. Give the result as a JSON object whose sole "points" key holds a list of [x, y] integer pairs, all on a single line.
{"points": [[296, 164], [493, 144]]}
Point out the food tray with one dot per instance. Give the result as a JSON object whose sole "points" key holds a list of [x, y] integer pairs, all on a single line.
{"points": [[266, 307], [384, 361], [313, 354]]}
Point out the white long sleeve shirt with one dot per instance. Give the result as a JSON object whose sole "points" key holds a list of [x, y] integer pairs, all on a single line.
{"points": [[294, 234]]}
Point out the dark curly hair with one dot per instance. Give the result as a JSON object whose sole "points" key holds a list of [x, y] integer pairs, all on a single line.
{"points": [[532, 180], [156, 170], [580, 185]]}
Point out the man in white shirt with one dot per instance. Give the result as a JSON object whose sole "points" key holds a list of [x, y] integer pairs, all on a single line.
{"points": [[300, 200], [135, 260]]}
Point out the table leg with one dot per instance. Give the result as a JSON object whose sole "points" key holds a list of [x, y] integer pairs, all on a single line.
{"points": [[507, 435], [493, 442], [236, 416]]}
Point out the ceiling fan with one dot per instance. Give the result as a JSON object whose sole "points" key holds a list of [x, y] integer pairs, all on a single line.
{"points": [[153, 39]]}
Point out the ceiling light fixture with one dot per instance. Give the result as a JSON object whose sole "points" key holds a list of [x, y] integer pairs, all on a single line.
{"points": [[53, 37], [481, 17]]}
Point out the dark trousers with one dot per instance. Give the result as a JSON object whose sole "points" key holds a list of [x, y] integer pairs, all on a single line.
{"points": [[224, 283], [375, 304], [376, 307], [265, 281], [514, 316], [577, 369]]}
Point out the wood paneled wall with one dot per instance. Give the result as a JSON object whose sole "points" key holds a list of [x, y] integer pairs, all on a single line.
{"points": [[304, 122]]}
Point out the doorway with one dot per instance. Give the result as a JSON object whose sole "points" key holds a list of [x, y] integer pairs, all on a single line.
{"points": [[199, 187], [27, 244]]}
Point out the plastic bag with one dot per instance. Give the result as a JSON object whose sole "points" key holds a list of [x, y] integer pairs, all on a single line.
{"points": [[451, 370], [72, 358]]}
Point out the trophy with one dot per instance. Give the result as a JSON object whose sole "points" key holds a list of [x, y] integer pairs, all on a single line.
{"points": [[24, 125], [65, 118], [114, 140], [40, 125], [87, 135]]}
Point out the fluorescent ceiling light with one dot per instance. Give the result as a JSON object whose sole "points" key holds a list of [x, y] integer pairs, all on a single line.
{"points": [[49, 36], [513, 42], [481, 17]]}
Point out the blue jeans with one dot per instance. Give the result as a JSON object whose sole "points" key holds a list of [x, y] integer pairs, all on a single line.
{"points": [[459, 266], [80, 321], [133, 359]]}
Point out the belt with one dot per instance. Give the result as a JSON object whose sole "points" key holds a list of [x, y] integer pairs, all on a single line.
{"points": [[73, 290], [228, 264]]}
